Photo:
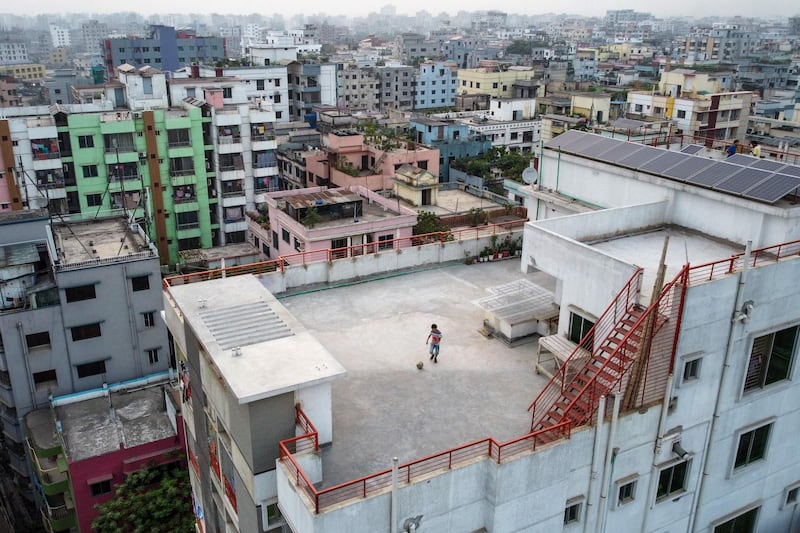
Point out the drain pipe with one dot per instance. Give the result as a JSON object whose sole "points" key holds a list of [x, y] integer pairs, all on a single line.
{"points": [[736, 319], [662, 423], [393, 518], [611, 454], [598, 434]]}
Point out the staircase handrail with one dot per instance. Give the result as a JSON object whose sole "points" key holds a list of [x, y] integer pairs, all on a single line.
{"points": [[644, 316], [629, 291]]}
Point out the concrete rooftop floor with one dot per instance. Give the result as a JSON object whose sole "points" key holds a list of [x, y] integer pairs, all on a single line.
{"points": [[385, 407]]}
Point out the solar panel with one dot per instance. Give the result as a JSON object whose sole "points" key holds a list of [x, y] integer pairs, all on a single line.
{"points": [[714, 174], [692, 149], [621, 151], [640, 157], [604, 144], [665, 161], [745, 179], [774, 188], [766, 164], [791, 170], [741, 159], [565, 139], [581, 145], [688, 167]]}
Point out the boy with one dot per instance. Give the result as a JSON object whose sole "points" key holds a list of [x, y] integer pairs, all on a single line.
{"points": [[435, 337]]}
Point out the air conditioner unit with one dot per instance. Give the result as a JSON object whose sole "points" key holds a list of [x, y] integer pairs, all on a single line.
{"points": [[137, 114], [142, 155]]}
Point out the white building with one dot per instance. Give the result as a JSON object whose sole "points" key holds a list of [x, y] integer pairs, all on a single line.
{"points": [[13, 52], [60, 36], [676, 401]]}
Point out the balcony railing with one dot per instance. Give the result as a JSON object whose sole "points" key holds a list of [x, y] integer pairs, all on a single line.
{"points": [[125, 177], [188, 225], [265, 137], [179, 144], [181, 172], [228, 194], [230, 139], [229, 168]]}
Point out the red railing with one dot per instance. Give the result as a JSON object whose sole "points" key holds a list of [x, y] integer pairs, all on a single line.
{"points": [[724, 267], [627, 297], [230, 493], [329, 255], [407, 472], [193, 461]]}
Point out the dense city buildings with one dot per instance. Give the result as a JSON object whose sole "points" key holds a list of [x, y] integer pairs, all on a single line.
{"points": [[281, 184]]}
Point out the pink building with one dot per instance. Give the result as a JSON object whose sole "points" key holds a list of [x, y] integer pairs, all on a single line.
{"points": [[321, 219], [84, 445], [347, 159]]}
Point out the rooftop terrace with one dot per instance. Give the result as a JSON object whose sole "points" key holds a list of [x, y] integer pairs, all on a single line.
{"points": [[98, 239], [99, 425], [385, 406]]}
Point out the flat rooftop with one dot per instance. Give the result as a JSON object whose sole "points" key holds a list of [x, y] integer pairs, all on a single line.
{"points": [[258, 347], [99, 425], [385, 406], [452, 201], [685, 246], [97, 239]]}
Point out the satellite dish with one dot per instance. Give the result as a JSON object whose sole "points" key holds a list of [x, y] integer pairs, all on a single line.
{"points": [[530, 175]]}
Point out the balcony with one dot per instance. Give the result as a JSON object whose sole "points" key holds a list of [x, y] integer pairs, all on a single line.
{"points": [[184, 194], [44, 149], [58, 513]]}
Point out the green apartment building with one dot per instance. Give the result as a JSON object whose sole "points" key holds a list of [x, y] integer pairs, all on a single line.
{"points": [[155, 166]]}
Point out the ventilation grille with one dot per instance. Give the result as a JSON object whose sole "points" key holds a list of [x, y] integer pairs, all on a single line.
{"points": [[242, 325]]}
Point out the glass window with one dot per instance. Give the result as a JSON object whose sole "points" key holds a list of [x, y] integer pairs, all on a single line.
{"points": [[91, 369], [752, 446], [672, 480], [77, 294], [89, 331], [37, 340], [771, 359], [140, 283]]}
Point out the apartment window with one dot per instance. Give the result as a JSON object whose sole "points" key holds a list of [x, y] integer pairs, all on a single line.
{"points": [[681, 113], [752, 446], [672, 480], [89, 331], [86, 141], [578, 327], [572, 512], [385, 242], [278, 115], [37, 340], [743, 523], [276, 99], [152, 355], [691, 370], [93, 200], [285, 235], [89, 171], [149, 319], [227, 92], [45, 379], [791, 494], [626, 492], [494, 85], [771, 359], [140, 283], [259, 85], [77, 294], [91, 369], [100, 488]]}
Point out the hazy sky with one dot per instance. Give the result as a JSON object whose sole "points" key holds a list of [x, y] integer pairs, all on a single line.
{"points": [[745, 8]]}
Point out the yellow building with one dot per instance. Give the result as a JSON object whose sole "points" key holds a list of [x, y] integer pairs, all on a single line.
{"points": [[26, 71], [686, 82], [491, 81]]}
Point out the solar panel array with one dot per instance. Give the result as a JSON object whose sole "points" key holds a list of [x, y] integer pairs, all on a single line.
{"points": [[757, 179]]}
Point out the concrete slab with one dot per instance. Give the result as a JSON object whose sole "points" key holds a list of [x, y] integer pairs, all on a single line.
{"points": [[385, 407], [644, 250]]}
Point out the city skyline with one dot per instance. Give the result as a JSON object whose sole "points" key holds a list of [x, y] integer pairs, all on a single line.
{"points": [[682, 8]]}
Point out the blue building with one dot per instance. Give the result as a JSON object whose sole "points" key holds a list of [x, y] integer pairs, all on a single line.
{"points": [[437, 83], [453, 139], [165, 49]]}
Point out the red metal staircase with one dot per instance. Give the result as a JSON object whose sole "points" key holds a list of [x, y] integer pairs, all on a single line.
{"points": [[576, 387], [624, 332]]}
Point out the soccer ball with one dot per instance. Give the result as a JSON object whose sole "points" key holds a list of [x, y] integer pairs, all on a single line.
{"points": [[420, 365]]}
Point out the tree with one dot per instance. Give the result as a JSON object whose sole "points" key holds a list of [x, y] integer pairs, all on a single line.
{"points": [[156, 499], [520, 47]]}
